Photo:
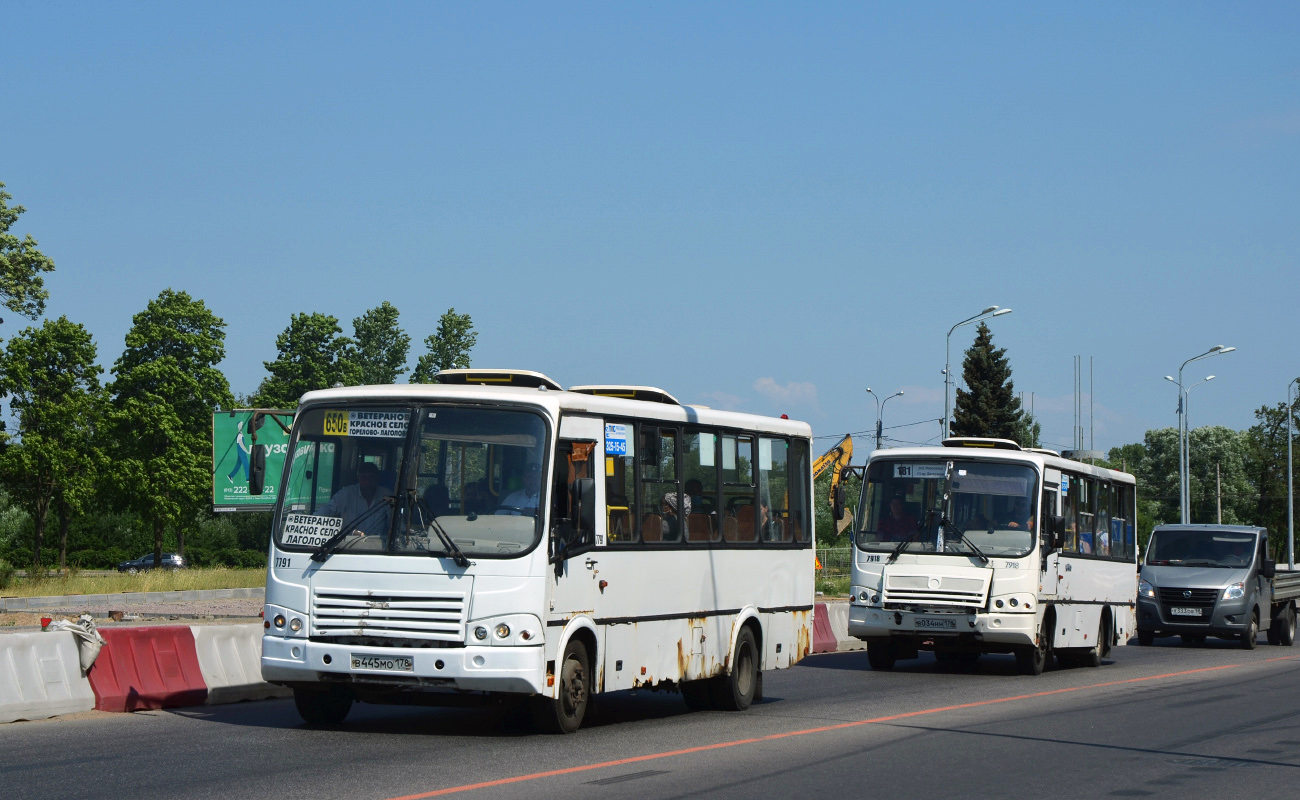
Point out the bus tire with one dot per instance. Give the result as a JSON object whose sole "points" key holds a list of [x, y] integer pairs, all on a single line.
{"points": [[323, 707], [1250, 636], [1093, 656], [565, 713], [881, 655], [1032, 659], [735, 690], [698, 695]]}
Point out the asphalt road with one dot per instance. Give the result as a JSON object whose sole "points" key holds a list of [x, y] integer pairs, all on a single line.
{"points": [[1163, 721]]}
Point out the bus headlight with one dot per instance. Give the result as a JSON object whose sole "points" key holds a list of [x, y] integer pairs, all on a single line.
{"points": [[1234, 592], [295, 624], [480, 633], [279, 620], [502, 630], [1145, 589]]}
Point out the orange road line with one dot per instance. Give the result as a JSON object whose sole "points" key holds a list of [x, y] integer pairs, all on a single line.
{"points": [[806, 731]]}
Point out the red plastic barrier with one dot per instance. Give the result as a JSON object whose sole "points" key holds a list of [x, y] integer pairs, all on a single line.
{"points": [[824, 640], [155, 667]]}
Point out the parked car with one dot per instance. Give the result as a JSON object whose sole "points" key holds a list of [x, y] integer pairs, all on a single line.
{"points": [[146, 562]]}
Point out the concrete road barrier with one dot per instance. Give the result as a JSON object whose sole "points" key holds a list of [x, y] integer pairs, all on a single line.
{"points": [[148, 667], [823, 637], [40, 677], [230, 658]]}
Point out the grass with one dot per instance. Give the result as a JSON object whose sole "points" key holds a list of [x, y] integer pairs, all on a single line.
{"points": [[833, 586], [152, 581]]}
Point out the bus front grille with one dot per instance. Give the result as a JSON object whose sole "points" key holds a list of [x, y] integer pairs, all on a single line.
{"points": [[933, 590], [393, 618]]}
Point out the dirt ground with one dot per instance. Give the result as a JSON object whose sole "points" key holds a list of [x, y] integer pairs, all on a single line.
{"points": [[183, 613]]}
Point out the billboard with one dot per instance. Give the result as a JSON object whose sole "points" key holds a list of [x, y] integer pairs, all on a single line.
{"points": [[234, 435]]}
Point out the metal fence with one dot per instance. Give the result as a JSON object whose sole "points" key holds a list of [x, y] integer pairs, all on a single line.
{"points": [[836, 562]]}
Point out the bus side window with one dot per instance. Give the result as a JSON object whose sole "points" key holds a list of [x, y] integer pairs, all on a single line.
{"points": [[572, 497]]}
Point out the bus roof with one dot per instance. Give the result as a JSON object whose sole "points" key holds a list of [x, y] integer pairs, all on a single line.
{"points": [[555, 403], [1000, 454]]}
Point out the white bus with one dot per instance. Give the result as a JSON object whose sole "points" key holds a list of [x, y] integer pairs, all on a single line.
{"points": [[494, 535], [979, 547]]}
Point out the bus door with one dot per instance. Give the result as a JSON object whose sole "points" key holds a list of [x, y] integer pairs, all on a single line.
{"points": [[1049, 507], [576, 524]]}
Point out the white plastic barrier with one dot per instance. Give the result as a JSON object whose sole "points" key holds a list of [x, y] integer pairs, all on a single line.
{"points": [[230, 658], [40, 676], [838, 614]]}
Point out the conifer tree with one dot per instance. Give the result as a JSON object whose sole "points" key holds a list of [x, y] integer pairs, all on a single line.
{"points": [[988, 406]]}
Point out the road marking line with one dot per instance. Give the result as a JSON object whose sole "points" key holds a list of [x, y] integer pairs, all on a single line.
{"points": [[806, 731]]}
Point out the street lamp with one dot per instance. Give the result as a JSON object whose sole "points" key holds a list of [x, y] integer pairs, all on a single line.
{"points": [[880, 407], [991, 311], [1184, 476], [1290, 492]]}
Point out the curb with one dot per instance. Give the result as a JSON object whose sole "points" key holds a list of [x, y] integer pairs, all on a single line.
{"points": [[125, 598]]}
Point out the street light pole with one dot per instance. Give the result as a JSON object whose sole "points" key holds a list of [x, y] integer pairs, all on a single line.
{"points": [[1184, 473], [1187, 425], [991, 311], [1290, 492]]}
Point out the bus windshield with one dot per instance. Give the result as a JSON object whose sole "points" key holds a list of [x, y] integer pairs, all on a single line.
{"points": [[468, 483], [957, 507], [1201, 549]]}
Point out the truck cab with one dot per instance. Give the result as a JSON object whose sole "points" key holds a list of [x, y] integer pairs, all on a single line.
{"points": [[1206, 580]]}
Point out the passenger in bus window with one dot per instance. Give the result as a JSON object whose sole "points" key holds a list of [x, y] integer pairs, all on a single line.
{"points": [[695, 491], [898, 525], [524, 499], [672, 521], [356, 503]]}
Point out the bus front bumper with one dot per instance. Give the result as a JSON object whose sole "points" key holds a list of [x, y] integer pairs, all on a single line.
{"points": [[518, 670], [997, 630]]}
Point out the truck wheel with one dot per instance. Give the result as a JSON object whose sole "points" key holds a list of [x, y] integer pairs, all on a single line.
{"points": [[881, 655], [1286, 631], [1146, 638], [1251, 634]]}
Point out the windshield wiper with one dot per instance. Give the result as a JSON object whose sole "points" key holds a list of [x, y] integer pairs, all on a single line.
{"points": [[328, 546], [450, 546], [923, 525], [966, 541]]}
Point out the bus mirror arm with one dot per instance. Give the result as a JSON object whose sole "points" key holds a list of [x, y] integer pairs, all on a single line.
{"points": [[257, 470]]}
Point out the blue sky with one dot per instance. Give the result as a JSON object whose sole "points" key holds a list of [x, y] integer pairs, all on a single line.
{"points": [[757, 206]]}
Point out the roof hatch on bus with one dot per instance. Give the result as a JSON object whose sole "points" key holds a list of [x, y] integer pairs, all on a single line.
{"points": [[497, 377], [976, 441], [649, 394]]}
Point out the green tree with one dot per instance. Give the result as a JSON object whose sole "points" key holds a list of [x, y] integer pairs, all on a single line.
{"points": [[53, 382], [1266, 451], [448, 347], [22, 289], [988, 406], [166, 386], [382, 346], [313, 354]]}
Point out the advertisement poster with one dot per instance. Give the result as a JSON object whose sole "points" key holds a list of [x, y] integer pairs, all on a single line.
{"points": [[233, 440]]}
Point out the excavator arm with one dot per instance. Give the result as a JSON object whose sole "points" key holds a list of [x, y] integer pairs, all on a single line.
{"points": [[836, 460]]}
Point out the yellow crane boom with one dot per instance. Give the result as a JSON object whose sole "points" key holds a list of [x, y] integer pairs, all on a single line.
{"points": [[836, 460]]}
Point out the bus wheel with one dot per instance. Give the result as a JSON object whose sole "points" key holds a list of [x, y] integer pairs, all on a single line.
{"points": [[881, 655], [1092, 657], [735, 692], [698, 695], [565, 713], [1251, 634], [1032, 659], [328, 707]]}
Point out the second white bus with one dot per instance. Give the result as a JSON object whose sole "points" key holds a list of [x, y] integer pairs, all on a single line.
{"points": [[982, 547]]}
